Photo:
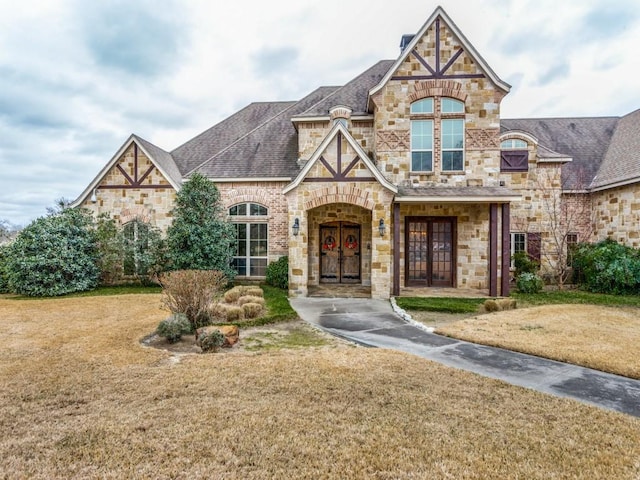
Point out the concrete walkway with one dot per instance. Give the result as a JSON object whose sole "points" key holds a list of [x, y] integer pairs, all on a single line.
{"points": [[373, 323]]}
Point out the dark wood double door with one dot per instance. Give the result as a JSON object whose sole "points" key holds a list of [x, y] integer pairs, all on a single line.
{"points": [[340, 252], [430, 251]]}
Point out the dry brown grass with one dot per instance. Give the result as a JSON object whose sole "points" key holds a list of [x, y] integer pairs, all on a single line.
{"points": [[604, 338], [80, 398]]}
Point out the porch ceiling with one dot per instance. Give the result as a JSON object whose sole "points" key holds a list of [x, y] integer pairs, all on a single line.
{"points": [[456, 195]]}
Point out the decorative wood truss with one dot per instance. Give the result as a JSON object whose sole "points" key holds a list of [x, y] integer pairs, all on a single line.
{"points": [[339, 174], [137, 181], [437, 72]]}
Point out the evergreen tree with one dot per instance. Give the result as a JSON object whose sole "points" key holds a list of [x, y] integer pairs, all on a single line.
{"points": [[200, 237]]}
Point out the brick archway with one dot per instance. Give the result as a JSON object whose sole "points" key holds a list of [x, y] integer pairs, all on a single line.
{"points": [[340, 194]]}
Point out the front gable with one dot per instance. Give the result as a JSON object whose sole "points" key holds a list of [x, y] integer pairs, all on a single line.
{"points": [[439, 51], [340, 158]]}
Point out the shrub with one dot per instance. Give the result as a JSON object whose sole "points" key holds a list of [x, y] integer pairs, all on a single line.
{"points": [[232, 295], [524, 263], [174, 327], [529, 283], [200, 237], [491, 306], [252, 310], [55, 255], [234, 313], [254, 292], [5, 252], [607, 267], [250, 299], [211, 340], [110, 249], [191, 292], [278, 273]]}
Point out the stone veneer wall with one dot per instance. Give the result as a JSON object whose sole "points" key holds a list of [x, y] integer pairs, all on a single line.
{"points": [[152, 205], [482, 117], [472, 264], [617, 214], [311, 134], [313, 202]]}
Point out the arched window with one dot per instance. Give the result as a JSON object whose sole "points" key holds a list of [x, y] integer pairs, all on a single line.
{"points": [[250, 259], [514, 155], [513, 144], [138, 238], [431, 118]]}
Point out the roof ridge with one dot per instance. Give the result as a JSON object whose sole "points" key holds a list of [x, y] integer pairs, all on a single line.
{"points": [[342, 87], [294, 103]]}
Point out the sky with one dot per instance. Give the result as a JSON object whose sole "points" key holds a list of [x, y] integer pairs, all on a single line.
{"points": [[78, 77]]}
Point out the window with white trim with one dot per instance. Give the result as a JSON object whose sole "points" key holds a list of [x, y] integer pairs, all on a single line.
{"points": [[250, 258], [518, 244]]}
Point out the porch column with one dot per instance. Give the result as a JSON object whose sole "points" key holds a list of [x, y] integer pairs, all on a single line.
{"points": [[493, 250], [298, 251], [396, 249], [506, 249]]}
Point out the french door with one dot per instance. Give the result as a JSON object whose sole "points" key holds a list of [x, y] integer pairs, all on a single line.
{"points": [[430, 251], [340, 252]]}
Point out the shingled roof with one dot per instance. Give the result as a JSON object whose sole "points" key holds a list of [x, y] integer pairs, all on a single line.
{"points": [[163, 159], [622, 161], [268, 150], [585, 140], [354, 94]]}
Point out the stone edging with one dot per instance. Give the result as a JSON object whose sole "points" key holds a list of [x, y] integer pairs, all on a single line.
{"points": [[407, 318]]}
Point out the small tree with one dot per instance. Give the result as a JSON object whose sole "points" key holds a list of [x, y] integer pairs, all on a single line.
{"points": [[200, 238], [55, 255], [110, 249]]}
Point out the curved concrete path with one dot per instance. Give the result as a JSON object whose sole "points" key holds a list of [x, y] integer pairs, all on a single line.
{"points": [[374, 323]]}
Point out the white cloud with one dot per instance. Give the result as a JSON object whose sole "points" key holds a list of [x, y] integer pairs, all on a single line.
{"points": [[76, 77]]}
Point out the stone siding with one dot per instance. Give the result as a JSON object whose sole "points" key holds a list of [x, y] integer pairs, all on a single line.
{"points": [[617, 215]]}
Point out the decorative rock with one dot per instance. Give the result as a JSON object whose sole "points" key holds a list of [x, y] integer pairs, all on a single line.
{"points": [[231, 334]]}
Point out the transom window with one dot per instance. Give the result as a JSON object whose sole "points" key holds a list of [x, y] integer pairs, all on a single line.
{"points": [[251, 253], [433, 118], [513, 144]]}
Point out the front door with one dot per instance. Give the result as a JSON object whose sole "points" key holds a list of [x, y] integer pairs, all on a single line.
{"points": [[430, 251], [340, 252]]}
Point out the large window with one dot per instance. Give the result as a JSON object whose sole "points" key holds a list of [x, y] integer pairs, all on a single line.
{"points": [[250, 259], [437, 118]]}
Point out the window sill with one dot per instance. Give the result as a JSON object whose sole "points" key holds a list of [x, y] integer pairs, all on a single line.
{"points": [[417, 174], [453, 172]]}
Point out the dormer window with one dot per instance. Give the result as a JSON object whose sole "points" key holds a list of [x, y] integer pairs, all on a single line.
{"points": [[514, 155]]}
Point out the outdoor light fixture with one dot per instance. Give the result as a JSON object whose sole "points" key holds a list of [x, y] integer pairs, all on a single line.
{"points": [[296, 227], [94, 197], [381, 227]]}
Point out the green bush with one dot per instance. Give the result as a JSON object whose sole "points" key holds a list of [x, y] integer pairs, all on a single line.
{"points": [[607, 267], [524, 263], [211, 341], [5, 252], [529, 283], [278, 273], [55, 255], [174, 327]]}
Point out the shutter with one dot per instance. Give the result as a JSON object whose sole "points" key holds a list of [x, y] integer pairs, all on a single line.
{"points": [[533, 246], [514, 160]]}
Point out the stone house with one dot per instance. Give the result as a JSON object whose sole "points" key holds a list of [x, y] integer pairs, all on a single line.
{"points": [[407, 176]]}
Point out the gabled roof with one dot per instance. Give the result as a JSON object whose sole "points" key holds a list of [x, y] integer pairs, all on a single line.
{"points": [[585, 140], [268, 150], [621, 164], [338, 128], [202, 147], [160, 158], [353, 95], [468, 47]]}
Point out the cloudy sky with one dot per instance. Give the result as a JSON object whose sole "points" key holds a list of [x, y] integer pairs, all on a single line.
{"points": [[78, 77]]}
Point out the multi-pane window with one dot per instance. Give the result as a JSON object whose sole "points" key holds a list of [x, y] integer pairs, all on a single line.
{"points": [[250, 259], [572, 242], [437, 118], [452, 144], [422, 145], [518, 244], [512, 144]]}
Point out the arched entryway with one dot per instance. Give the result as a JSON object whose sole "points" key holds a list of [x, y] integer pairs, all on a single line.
{"points": [[340, 248]]}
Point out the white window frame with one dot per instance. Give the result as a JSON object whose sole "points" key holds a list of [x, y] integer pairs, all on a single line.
{"points": [[246, 221], [512, 238]]}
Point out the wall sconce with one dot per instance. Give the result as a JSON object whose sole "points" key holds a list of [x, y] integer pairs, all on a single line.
{"points": [[94, 196], [381, 227], [296, 227]]}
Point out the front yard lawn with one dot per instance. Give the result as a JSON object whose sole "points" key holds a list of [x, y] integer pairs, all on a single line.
{"points": [[81, 398]]}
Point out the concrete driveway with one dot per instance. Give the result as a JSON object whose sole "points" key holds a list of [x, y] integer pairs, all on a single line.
{"points": [[373, 323]]}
